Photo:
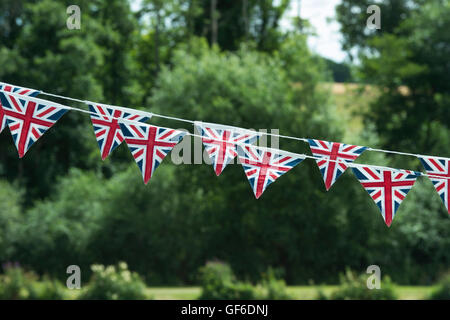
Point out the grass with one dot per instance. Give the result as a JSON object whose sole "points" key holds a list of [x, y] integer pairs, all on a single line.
{"points": [[298, 292]]}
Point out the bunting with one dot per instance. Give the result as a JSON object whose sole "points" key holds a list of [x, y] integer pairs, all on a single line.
{"points": [[439, 168], [29, 118], [149, 145], [105, 120], [387, 188], [340, 155], [262, 167], [221, 142], [14, 89]]}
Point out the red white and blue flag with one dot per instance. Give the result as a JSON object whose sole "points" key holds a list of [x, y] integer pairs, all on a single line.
{"points": [[149, 145], [263, 166], [438, 170], [29, 118], [105, 120], [221, 142], [387, 188], [15, 89], [334, 158]]}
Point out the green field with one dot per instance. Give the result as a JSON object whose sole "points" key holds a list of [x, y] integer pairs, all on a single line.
{"points": [[298, 292]]}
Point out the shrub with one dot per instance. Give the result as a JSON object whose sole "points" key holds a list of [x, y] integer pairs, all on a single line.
{"points": [[273, 288], [354, 287], [16, 283], [11, 218], [442, 292], [114, 283], [218, 283]]}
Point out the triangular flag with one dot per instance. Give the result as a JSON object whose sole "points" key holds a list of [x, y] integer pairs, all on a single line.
{"points": [[438, 170], [387, 188], [2, 118], [105, 120], [263, 166], [221, 142], [149, 145], [29, 118], [15, 89], [338, 153]]}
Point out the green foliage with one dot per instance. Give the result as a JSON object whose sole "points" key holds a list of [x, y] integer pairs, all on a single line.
{"points": [[354, 287], [59, 229], [62, 205], [407, 60], [241, 21], [254, 90], [114, 283], [341, 72], [273, 288], [16, 283], [11, 218], [219, 283], [442, 292], [352, 16]]}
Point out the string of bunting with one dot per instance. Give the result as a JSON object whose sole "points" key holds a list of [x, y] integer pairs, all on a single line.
{"points": [[28, 118]]}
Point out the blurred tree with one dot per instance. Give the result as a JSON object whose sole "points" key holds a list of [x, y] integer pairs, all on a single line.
{"points": [[11, 219], [163, 26], [117, 37], [341, 72], [93, 63], [239, 21], [47, 56], [253, 90], [410, 65], [352, 16]]}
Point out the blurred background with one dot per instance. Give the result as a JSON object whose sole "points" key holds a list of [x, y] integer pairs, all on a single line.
{"points": [[310, 68]]}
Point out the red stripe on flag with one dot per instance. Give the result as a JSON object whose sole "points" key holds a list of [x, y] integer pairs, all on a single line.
{"points": [[14, 127], [399, 195], [167, 134], [376, 195], [45, 112], [138, 154], [436, 164], [98, 134], [35, 133], [370, 172]]}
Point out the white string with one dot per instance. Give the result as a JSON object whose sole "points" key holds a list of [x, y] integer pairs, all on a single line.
{"points": [[279, 151], [191, 121], [61, 97], [248, 130]]}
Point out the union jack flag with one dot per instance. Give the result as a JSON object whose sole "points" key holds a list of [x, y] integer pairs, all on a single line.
{"points": [[149, 145], [15, 89], [263, 166], [438, 170], [221, 142], [343, 153], [387, 188], [107, 128], [29, 118]]}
